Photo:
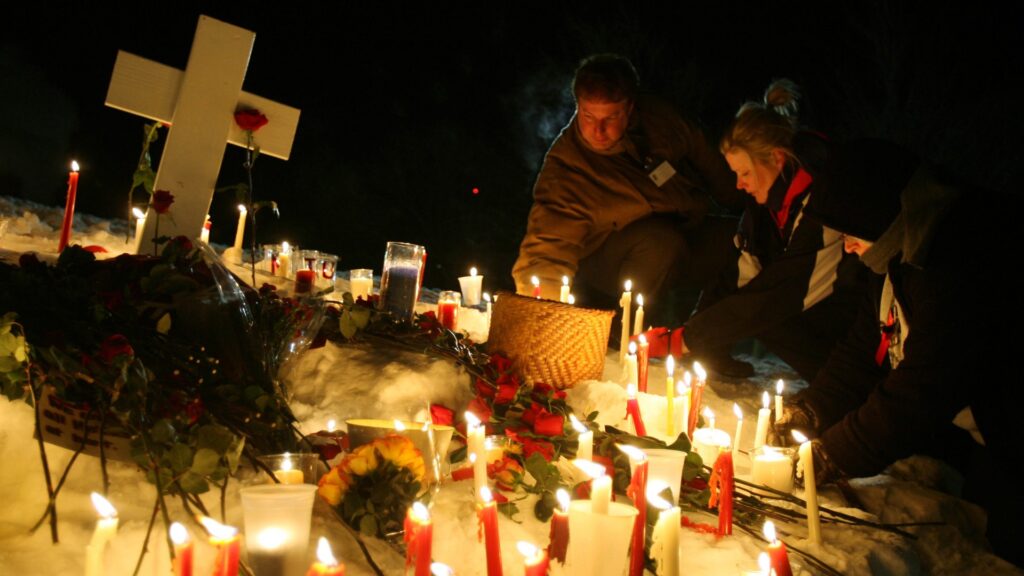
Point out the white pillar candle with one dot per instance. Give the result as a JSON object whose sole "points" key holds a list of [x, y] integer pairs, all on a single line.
{"points": [[626, 303], [805, 467], [601, 485], [763, 417], [779, 386], [284, 261], [739, 429], [240, 230], [586, 439], [665, 537], [563, 295], [477, 450], [471, 286], [772, 467], [708, 442], [638, 324], [106, 529]]}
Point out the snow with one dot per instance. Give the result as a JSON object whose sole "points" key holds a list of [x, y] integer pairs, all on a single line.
{"points": [[350, 382]]}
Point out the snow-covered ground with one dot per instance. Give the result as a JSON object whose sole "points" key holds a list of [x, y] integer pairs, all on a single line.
{"points": [[347, 382]]}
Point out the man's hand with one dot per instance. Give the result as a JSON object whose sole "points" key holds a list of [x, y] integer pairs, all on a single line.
{"points": [[795, 416], [825, 470]]}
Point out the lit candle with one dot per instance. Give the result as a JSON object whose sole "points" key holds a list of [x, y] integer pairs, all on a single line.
{"points": [[267, 555], [696, 395], [630, 370], [494, 446], [439, 569], [448, 304], [419, 536], [642, 358], [228, 544], [778, 398], [638, 322], [69, 207], [183, 548], [563, 295], [777, 555], [487, 515], [633, 410], [722, 487], [287, 474], [326, 564], [204, 234], [585, 436], [708, 442], [304, 280], [535, 560], [685, 390], [571, 300], [626, 302], [240, 229], [476, 447], [638, 492], [284, 261], [665, 537], [805, 467], [487, 298], [471, 286], [709, 416], [536, 286], [670, 391], [739, 428], [140, 222], [601, 485], [559, 537], [772, 467], [106, 529], [763, 417]]}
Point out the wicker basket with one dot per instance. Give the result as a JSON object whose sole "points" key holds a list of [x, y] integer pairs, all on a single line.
{"points": [[548, 341]]}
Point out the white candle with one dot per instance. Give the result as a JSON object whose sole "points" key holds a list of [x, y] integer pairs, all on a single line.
{"points": [[204, 234], [632, 371], [670, 392], [471, 286], [586, 439], [626, 302], [708, 442], [778, 398], [805, 467], [709, 415], [240, 230], [284, 261], [487, 298], [571, 300], [287, 474], [739, 429], [106, 529], [772, 467], [361, 283], [601, 487], [140, 222], [638, 323], [763, 417], [439, 569], [665, 537], [477, 451], [563, 295]]}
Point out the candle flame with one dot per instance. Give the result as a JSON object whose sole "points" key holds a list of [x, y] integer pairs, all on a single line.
{"points": [[765, 400], [242, 208], [138, 213], [800, 438], [631, 391], [485, 495], [640, 300], [778, 387], [535, 281], [179, 535], [399, 426], [642, 339], [670, 365], [472, 271], [632, 348], [472, 457], [216, 529], [103, 506], [331, 424], [425, 427], [590, 468], [324, 553], [471, 419], [629, 285], [736, 410], [683, 386], [654, 490], [563, 499], [764, 563], [487, 298], [687, 378], [529, 551], [271, 538], [286, 464], [571, 300], [74, 166], [702, 375], [769, 531], [633, 452], [420, 513], [565, 280], [439, 569], [576, 424]]}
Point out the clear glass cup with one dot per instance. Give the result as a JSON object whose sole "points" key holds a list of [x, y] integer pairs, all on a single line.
{"points": [[269, 262], [277, 521], [400, 281], [327, 269], [773, 466], [360, 283], [448, 303]]}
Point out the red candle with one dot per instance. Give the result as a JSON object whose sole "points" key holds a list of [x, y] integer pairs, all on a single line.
{"points": [[559, 537], [419, 536], [228, 544], [777, 555], [696, 394], [642, 356], [183, 547], [637, 491], [721, 491], [536, 286], [326, 564], [487, 514], [535, 560], [633, 410], [448, 314], [69, 208], [304, 280]]}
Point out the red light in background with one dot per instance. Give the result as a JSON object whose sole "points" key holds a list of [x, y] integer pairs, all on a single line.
{"points": [[475, 191]]}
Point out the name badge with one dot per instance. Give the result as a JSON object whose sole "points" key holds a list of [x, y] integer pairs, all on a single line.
{"points": [[662, 173]]}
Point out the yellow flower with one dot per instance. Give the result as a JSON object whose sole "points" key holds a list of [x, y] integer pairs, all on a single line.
{"points": [[333, 486], [401, 451], [360, 462]]}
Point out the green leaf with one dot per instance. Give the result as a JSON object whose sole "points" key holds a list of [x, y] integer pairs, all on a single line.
{"points": [[179, 458], [692, 466], [205, 461], [368, 525], [347, 324], [361, 316], [215, 437], [234, 454], [193, 483], [681, 443], [162, 431]]}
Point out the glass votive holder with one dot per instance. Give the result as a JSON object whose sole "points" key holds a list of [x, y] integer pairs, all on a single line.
{"points": [[287, 261], [360, 283], [708, 442], [293, 468], [666, 466], [269, 262], [400, 281], [448, 303], [495, 447], [327, 270], [772, 466], [277, 518]]}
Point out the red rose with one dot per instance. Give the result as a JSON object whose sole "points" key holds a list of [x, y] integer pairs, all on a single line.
{"points": [[506, 393], [483, 388], [115, 345], [543, 390], [542, 447], [161, 201], [531, 413], [441, 415], [250, 119], [506, 472], [480, 409], [548, 424], [500, 363]]}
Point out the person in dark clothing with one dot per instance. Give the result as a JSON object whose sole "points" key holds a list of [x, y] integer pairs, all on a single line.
{"points": [[924, 366]]}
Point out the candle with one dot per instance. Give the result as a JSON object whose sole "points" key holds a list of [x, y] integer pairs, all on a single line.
{"points": [[183, 548], [637, 490], [106, 529], [267, 555], [763, 416], [494, 447], [559, 537], [419, 535], [536, 286], [708, 442], [487, 298], [601, 485], [304, 280], [773, 467], [805, 467], [448, 303], [360, 283], [478, 451], [535, 560], [471, 286], [284, 261], [696, 394], [204, 234], [487, 514], [626, 302], [287, 474], [630, 370], [140, 222], [638, 323], [240, 229], [585, 437], [721, 484], [739, 428], [642, 357], [665, 537], [571, 300], [326, 564], [563, 295], [670, 391], [69, 207], [439, 569], [228, 544], [777, 556], [778, 398], [633, 410], [685, 391]]}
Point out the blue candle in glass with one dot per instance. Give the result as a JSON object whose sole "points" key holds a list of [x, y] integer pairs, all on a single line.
{"points": [[400, 286]]}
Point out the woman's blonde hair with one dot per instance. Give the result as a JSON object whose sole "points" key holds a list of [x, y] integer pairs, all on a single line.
{"points": [[760, 127]]}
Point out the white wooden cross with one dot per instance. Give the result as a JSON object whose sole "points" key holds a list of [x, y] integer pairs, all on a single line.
{"points": [[199, 104]]}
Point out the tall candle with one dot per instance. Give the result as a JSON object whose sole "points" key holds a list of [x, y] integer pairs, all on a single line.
{"points": [[487, 299], [670, 391], [326, 564], [287, 474], [696, 395], [487, 515], [805, 467], [69, 208], [685, 390], [204, 234], [630, 370], [722, 490], [642, 361], [240, 229], [665, 537], [777, 556], [638, 323], [585, 436], [475, 445], [633, 411], [140, 222], [536, 286], [739, 428], [638, 492], [626, 303], [778, 399], [228, 544], [559, 537], [284, 261], [763, 417], [419, 535], [183, 548], [563, 295], [106, 529], [535, 560], [601, 485]]}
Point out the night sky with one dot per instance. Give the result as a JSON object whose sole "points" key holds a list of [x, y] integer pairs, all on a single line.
{"points": [[407, 109]]}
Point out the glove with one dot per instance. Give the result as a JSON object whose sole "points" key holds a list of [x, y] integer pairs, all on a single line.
{"points": [[795, 415], [825, 469]]}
